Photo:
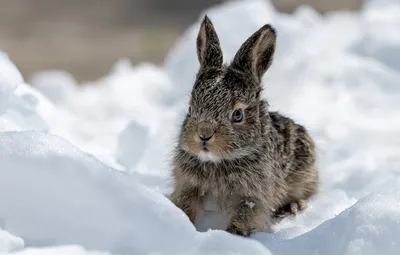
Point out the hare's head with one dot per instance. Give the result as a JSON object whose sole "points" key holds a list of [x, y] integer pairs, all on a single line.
{"points": [[223, 119]]}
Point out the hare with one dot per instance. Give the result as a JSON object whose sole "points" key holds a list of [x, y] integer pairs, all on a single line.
{"points": [[257, 165]]}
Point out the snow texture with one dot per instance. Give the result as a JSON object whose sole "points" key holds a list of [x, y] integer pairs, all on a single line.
{"points": [[9, 242], [85, 169]]}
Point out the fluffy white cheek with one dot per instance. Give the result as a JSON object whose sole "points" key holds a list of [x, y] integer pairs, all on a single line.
{"points": [[208, 156]]}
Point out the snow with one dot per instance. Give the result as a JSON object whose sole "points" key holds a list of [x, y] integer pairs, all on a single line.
{"points": [[85, 169], [9, 242], [60, 250], [250, 204], [10, 78]]}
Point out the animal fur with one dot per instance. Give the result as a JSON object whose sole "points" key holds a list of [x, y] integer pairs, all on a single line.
{"points": [[258, 169]]}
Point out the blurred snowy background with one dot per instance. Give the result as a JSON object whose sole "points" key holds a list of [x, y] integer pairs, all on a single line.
{"points": [[92, 94], [85, 38]]}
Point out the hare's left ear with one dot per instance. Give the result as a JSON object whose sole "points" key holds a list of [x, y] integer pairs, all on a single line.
{"points": [[209, 51], [256, 53]]}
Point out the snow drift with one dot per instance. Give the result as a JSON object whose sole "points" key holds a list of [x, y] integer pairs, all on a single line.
{"points": [[84, 169]]}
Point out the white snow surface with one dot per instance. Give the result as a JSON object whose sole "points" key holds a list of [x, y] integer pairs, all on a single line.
{"points": [[85, 169], [9, 242]]}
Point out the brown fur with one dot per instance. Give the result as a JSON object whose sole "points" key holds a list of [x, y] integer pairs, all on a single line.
{"points": [[261, 168]]}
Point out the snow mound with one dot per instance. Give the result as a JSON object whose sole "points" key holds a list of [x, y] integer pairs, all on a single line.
{"points": [[370, 227], [85, 169], [61, 250], [10, 78], [9, 242], [56, 85], [64, 196], [99, 209], [132, 143]]}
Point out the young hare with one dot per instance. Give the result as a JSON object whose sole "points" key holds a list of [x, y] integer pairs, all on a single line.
{"points": [[257, 165]]}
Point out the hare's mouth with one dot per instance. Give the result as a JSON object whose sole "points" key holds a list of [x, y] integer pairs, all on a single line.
{"points": [[204, 146], [205, 149], [208, 156], [206, 153]]}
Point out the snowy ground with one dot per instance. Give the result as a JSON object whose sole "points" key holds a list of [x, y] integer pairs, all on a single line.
{"points": [[84, 170]]}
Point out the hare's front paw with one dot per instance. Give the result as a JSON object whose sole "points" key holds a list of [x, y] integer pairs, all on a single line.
{"points": [[186, 200], [248, 217], [291, 209], [238, 231]]}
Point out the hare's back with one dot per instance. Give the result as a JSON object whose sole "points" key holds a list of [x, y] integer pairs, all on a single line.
{"points": [[298, 156], [296, 143]]}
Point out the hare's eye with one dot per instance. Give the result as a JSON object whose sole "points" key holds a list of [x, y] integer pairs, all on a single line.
{"points": [[237, 115]]}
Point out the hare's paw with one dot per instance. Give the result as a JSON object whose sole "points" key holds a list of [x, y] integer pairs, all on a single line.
{"points": [[297, 206], [291, 209], [301, 205], [238, 231], [186, 200]]}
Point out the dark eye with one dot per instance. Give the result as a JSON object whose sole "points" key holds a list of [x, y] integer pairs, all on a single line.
{"points": [[237, 115], [190, 111]]}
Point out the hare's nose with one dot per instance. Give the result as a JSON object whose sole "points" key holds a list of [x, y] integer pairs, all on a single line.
{"points": [[205, 138], [205, 131]]}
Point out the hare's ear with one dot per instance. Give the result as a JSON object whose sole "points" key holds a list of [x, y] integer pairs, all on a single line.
{"points": [[208, 47], [256, 53]]}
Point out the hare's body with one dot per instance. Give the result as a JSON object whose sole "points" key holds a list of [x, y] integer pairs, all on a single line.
{"points": [[256, 164]]}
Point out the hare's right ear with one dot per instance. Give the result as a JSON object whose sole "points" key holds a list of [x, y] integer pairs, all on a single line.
{"points": [[255, 55], [209, 51]]}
